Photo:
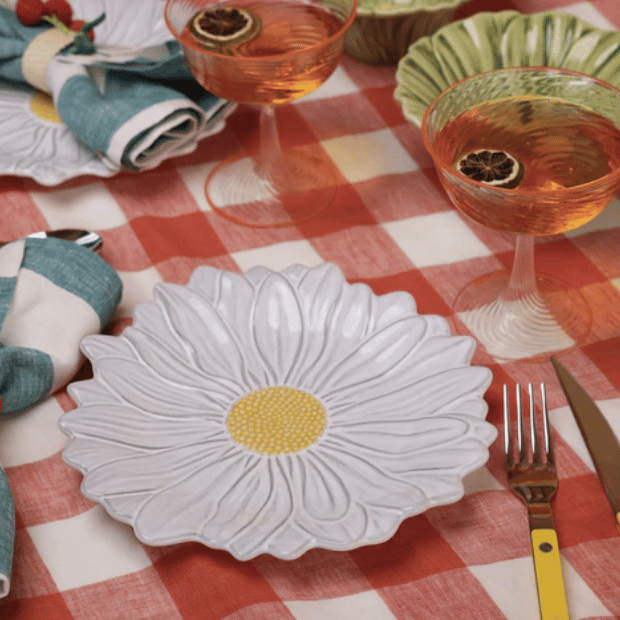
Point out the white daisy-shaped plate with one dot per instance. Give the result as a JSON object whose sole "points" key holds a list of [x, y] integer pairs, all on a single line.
{"points": [[34, 142], [276, 412]]}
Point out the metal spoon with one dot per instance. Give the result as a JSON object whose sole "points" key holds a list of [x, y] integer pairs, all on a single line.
{"points": [[86, 238]]}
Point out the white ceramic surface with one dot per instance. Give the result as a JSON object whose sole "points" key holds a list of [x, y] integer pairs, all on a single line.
{"points": [[154, 435], [37, 147]]}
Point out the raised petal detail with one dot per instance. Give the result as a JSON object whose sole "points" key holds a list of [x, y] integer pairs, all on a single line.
{"points": [[155, 355], [151, 393], [257, 275], [230, 294], [421, 397], [151, 315], [347, 324], [393, 307], [337, 533], [319, 292], [195, 499], [378, 439], [274, 516], [216, 350], [375, 357], [278, 327], [318, 490], [291, 541], [368, 483], [463, 456], [93, 392], [99, 346], [86, 454], [183, 462], [425, 359], [134, 429], [125, 507]]}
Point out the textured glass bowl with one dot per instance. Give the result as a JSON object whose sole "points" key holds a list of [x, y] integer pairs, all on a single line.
{"points": [[392, 412], [383, 30], [490, 41]]}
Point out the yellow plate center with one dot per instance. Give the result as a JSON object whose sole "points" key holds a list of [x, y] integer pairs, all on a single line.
{"points": [[42, 105], [276, 420]]}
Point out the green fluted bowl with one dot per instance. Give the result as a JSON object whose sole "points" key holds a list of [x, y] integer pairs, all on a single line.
{"points": [[383, 30], [488, 41]]}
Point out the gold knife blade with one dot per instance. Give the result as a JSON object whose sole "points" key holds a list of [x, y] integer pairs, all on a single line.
{"points": [[600, 439]]}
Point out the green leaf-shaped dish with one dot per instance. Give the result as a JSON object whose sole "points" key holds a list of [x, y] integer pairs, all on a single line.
{"points": [[488, 41]]}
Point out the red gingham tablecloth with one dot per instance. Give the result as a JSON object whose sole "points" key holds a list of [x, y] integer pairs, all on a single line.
{"points": [[393, 228]]}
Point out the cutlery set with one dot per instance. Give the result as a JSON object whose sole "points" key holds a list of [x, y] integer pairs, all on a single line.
{"points": [[530, 464], [532, 475]]}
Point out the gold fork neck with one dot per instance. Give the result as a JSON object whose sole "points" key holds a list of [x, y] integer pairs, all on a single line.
{"points": [[540, 516]]}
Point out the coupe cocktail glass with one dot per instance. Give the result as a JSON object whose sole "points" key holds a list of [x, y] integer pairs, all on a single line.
{"points": [[298, 47], [560, 129]]}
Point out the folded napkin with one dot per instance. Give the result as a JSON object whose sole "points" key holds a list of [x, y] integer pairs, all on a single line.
{"points": [[52, 294], [134, 108], [7, 534]]}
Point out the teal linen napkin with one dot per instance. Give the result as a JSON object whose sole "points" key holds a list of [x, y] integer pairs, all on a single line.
{"points": [[7, 534], [134, 113], [52, 293]]}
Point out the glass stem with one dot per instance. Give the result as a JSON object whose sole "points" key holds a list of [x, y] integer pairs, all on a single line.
{"points": [[522, 277], [270, 150]]}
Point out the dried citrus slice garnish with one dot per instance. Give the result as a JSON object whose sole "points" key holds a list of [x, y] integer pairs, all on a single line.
{"points": [[492, 167], [220, 27]]}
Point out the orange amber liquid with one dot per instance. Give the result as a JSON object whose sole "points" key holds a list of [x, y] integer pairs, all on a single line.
{"points": [[562, 146], [290, 57]]}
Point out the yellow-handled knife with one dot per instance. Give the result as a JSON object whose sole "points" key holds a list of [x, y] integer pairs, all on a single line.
{"points": [[601, 441]]}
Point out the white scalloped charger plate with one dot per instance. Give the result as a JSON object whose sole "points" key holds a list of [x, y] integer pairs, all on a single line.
{"points": [[276, 412], [488, 41]]}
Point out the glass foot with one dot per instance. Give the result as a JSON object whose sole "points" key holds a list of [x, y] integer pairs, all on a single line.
{"points": [[532, 327], [297, 187]]}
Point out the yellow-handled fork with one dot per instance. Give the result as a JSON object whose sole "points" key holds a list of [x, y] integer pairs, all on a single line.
{"points": [[532, 477]]}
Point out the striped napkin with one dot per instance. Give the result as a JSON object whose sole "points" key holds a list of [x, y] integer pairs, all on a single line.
{"points": [[52, 294], [133, 107], [7, 534]]}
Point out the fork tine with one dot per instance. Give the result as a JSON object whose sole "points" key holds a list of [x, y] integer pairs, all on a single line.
{"points": [[507, 434], [536, 455], [520, 427], [546, 428]]}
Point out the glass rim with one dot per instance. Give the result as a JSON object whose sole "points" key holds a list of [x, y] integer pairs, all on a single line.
{"points": [[259, 59], [451, 171]]}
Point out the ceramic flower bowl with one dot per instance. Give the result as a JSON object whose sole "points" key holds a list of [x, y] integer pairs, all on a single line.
{"points": [[488, 41], [276, 412], [383, 30]]}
